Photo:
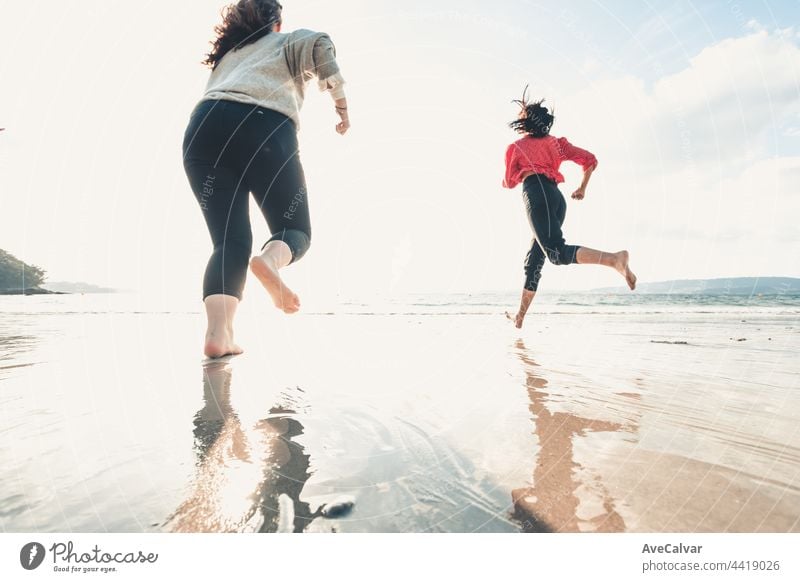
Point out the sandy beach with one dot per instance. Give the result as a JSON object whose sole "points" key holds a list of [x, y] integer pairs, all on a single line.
{"points": [[427, 420]]}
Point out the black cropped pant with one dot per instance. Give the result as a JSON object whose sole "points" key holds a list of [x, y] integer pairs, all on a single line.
{"points": [[232, 150], [546, 208]]}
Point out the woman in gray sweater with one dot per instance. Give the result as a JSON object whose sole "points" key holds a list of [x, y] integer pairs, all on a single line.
{"points": [[242, 140]]}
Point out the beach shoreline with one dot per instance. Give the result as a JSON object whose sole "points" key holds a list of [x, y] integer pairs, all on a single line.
{"points": [[580, 422]]}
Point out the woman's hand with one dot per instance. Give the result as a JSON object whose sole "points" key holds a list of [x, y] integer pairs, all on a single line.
{"points": [[344, 124], [579, 193]]}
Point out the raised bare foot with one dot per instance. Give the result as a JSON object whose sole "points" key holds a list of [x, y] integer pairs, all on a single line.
{"points": [[219, 344], [517, 319], [624, 269], [283, 297]]}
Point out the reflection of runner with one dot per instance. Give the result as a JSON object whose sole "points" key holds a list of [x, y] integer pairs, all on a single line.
{"points": [[534, 161], [286, 475], [241, 474], [551, 505]]}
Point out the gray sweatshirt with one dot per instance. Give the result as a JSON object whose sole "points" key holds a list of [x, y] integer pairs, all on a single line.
{"points": [[274, 70]]}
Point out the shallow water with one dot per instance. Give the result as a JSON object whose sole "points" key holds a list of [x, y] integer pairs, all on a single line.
{"points": [[111, 420]]}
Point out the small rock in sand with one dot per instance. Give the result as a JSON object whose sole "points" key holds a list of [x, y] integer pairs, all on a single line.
{"points": [[338, 507]]}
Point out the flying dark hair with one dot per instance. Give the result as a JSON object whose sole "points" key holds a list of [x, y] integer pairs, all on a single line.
{"points": [[534, 118], [243, 23]]}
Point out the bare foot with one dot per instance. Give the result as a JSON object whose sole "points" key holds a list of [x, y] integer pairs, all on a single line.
{"points": [[624, 269], [219, 344], [282, 296], [517, 319]]}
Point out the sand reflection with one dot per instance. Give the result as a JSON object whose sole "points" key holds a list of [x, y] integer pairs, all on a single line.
{"points": [[246, 479], [554, 502]]}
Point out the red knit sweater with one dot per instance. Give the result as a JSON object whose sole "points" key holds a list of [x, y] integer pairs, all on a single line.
{"points": [[542, 155]]}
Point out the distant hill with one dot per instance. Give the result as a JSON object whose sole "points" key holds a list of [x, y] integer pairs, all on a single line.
{"points": [[727, 286], [17, 276], [71, 287]]}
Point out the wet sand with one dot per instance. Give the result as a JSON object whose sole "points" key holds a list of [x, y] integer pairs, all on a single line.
{"points": [[113, 422]]}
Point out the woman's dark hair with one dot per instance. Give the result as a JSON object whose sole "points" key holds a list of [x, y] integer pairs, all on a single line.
{"points": [[243, 23], [534, 118]]}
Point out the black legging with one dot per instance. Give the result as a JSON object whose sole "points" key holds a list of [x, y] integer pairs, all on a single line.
{"points": [[546, 208], [230, 150]]}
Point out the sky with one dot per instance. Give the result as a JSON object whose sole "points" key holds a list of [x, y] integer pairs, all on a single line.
{"points": [[692, 108]]}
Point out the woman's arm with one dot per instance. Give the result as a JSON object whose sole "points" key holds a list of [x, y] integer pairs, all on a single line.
{"points": [[341, 110], [330, 79], [583, 158], [510, 180], [581, 191], [335, 86]]}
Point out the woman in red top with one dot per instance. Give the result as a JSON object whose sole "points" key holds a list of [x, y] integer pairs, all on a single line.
{"points": [[534, 161]]}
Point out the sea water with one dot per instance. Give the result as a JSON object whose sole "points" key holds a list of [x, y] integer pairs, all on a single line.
{"points": [[605, 413]]}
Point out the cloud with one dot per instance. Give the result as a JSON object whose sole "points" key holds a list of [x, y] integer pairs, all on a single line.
{"points": [[740, 88], [726, 107]]}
